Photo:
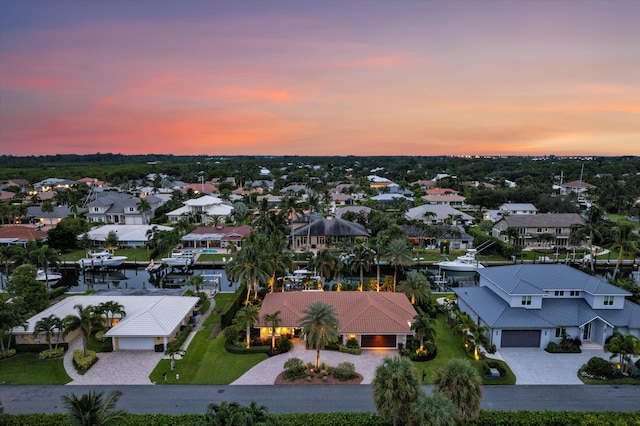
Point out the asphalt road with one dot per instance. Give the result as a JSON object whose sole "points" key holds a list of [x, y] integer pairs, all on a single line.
{"points": [[301, 398]]}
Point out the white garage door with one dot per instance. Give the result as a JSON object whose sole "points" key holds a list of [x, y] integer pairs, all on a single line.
{"points": [[136, 343]]}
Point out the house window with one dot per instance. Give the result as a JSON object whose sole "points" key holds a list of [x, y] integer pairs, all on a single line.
{"points": [[561, 331], [574, 293], [526, 300], [96, 209], [608, 301], [539, 230], [321, 240], [131, 210], [558, 231], [559, 293]]}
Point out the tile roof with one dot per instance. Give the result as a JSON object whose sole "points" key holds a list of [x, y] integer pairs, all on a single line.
{"points": [[23, 233], [357, 312]]}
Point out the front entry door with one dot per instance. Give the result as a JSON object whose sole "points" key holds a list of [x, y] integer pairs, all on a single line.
{"points": [[586, 332]]}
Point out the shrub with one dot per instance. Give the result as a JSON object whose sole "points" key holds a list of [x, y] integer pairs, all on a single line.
{"points": [[492, 349], [51, 353], [353, 343], [100, 336], [230, 334], [294, 368], [242, 349], [345, 371], [284, 345], [348, 350], [7, 354], [84, 363], [599, 367]]}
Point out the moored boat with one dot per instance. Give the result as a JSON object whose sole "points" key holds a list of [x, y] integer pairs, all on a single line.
{"points": [[101, 259], [466, 262]]}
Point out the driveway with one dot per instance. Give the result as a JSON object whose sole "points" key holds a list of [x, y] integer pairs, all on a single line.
{"points": [[534, 366], [265, 373], [114, 368]]}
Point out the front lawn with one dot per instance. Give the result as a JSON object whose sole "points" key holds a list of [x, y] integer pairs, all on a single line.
{"points": [[449, 347], [206, 362], [27, 369]]}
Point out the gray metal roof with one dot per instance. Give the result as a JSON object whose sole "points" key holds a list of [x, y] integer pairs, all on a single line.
{"points": [[537, 279], [554, 312], [547, 220], [333, 227]]}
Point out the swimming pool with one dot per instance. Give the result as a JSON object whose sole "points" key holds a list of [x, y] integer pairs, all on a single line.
{"points": [[208, 251]]}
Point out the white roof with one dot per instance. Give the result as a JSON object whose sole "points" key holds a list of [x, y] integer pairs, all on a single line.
{"points": [[207, 200], [442, 212], [125, 232], [156, 316]]}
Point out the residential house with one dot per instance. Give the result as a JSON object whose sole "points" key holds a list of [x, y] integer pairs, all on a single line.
{"points": [[358, 210], [433, 214], [53, 184], [201, 188], [375, 319], [577, 187], [325, 233], [216, 236], [533, 305], [518, 208], [120, 208], [20, 235], [533, 230], [390, 199], [128, 235], [272, 200], [449, 199], [424, 184], [441, 191], [202, 209], [378, 182], [35, 213], [151, 322]]}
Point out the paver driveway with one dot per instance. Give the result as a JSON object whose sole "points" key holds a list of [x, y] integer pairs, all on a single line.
{"points": [[534, 366]]}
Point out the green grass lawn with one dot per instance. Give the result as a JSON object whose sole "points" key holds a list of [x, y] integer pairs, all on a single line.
{"points": [[206, 362], [27, 369], [450, 347]]}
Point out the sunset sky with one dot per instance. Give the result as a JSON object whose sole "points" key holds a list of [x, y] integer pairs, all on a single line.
{"points": [[322, 77]]}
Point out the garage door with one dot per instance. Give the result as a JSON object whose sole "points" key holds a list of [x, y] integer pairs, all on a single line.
{"points": [[520, 339], [379, 341], [136, 343]]}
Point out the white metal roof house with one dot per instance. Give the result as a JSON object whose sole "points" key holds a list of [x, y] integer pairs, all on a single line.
{"points": [[532, 305], [128, 235], [149, 320], [433, 214], [202, 209]]}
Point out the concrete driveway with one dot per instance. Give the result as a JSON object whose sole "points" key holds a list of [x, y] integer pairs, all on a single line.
{"points": [[534, 366], [114, 368]]}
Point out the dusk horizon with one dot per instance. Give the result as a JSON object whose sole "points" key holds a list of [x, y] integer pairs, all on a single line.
{"points": [[276, 78]]}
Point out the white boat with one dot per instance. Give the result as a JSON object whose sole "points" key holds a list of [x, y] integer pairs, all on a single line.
{"points": [[101, 259], [48, 277], [466, 262], [179, 259]]}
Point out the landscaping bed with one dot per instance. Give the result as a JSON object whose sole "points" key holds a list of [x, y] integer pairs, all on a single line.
{"points": [[317, 380]]}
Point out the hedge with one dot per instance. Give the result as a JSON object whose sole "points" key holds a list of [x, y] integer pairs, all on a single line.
{"points": [[229, 312], [51, 353], [39, 347], [84, 363], [489, 418], [242, 350]]}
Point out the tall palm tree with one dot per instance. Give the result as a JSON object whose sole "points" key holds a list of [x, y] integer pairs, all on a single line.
{"points": [[625, 242], [275, 320], [319, 327], [395, 388], [325, 264], [195, 280], [416, 287], [591, 228], [422, 325], [460, 383], [44, 256], [397, 253], [246, 317], [85, 320], [143, 207], [360, 260], [279, 260], [92, 410], [250, 265], [48, 326]]}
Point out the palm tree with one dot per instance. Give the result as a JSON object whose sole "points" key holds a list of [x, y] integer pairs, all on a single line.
{"points": [[250, 265], [397, 254], [48, 326], [432, 410], [85, 320], [275, 320], [195, 280], [416, 287], [460, 383], [591, 228], [623, 347], [325, 264], [319, 327], [172, 351], [48, 207], [422, 325], [396, 387], [247, 316], [624, 242], [360, 260], [110, 309], [91, 410], [143, 206], [44, 256]]}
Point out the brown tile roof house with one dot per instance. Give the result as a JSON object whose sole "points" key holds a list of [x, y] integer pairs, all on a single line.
{"points": [[13, 234], [376, 319]]}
